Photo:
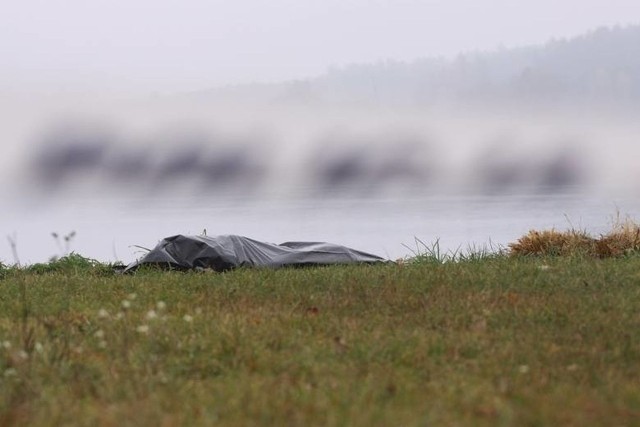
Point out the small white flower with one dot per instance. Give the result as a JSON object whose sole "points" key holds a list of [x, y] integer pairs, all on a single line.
{"points": [[38, 347], [120, 315], [132, 296], [126, 304], [103, 314], [523, 369], [23, 355], [544, 267], [572, 367], [10, 372], [102, 344], [151, 314], [6, 344], [143, 329], [160, 305], [198, 311], [187, 318], [99, 333]]}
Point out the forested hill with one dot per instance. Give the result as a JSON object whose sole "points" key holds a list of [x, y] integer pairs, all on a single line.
{"points": [[602, 66]]}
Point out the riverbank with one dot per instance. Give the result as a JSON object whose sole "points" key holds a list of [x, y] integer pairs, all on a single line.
{"points": [[486, 340]]}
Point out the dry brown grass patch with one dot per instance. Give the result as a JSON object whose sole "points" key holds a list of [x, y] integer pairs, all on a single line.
{"points": [[624, 238], [553, 242]]}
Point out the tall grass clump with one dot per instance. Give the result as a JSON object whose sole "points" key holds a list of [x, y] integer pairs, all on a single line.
{"points": [[71, 264], [425, 253]]}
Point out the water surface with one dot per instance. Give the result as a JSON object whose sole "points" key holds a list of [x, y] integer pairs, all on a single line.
{"points": [[111, 230]]}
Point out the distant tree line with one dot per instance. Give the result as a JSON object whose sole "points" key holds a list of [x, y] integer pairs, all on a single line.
{"points": [[602, 66]]}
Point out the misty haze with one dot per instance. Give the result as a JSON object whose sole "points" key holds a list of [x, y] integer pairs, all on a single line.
{"points": [[473, 149]]}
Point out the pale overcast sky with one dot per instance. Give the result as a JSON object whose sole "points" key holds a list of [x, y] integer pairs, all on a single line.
{"points": [[174, 45]]}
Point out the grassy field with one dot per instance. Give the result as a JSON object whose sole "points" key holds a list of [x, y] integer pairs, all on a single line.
{"points": [[495, 340]]}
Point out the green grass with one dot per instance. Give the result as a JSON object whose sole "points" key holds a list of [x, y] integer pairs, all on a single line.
{"points": [[489, 340]]}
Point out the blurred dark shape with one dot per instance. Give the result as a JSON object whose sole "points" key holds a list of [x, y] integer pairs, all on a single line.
{"points": [[342, 168], [503, 168], [401, 162], [67, 154], [341, 163], [180, 162], [235, 165], [127, 166], [562, 170], [500, 168], [370, 164], [206, 162], [183, 159]]}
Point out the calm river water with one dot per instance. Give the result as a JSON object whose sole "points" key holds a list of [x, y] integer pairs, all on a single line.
{"points": [[111, 230]]}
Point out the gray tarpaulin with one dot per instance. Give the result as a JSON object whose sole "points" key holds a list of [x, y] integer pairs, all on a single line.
{"points": [[223, 253]]}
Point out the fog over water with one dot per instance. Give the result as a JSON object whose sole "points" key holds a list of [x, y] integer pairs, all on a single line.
{"points": [[128, 173], [153, 151], [469, 150]]}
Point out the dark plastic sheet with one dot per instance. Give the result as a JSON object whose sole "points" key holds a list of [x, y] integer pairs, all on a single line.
{"points": [[222, 253]]}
